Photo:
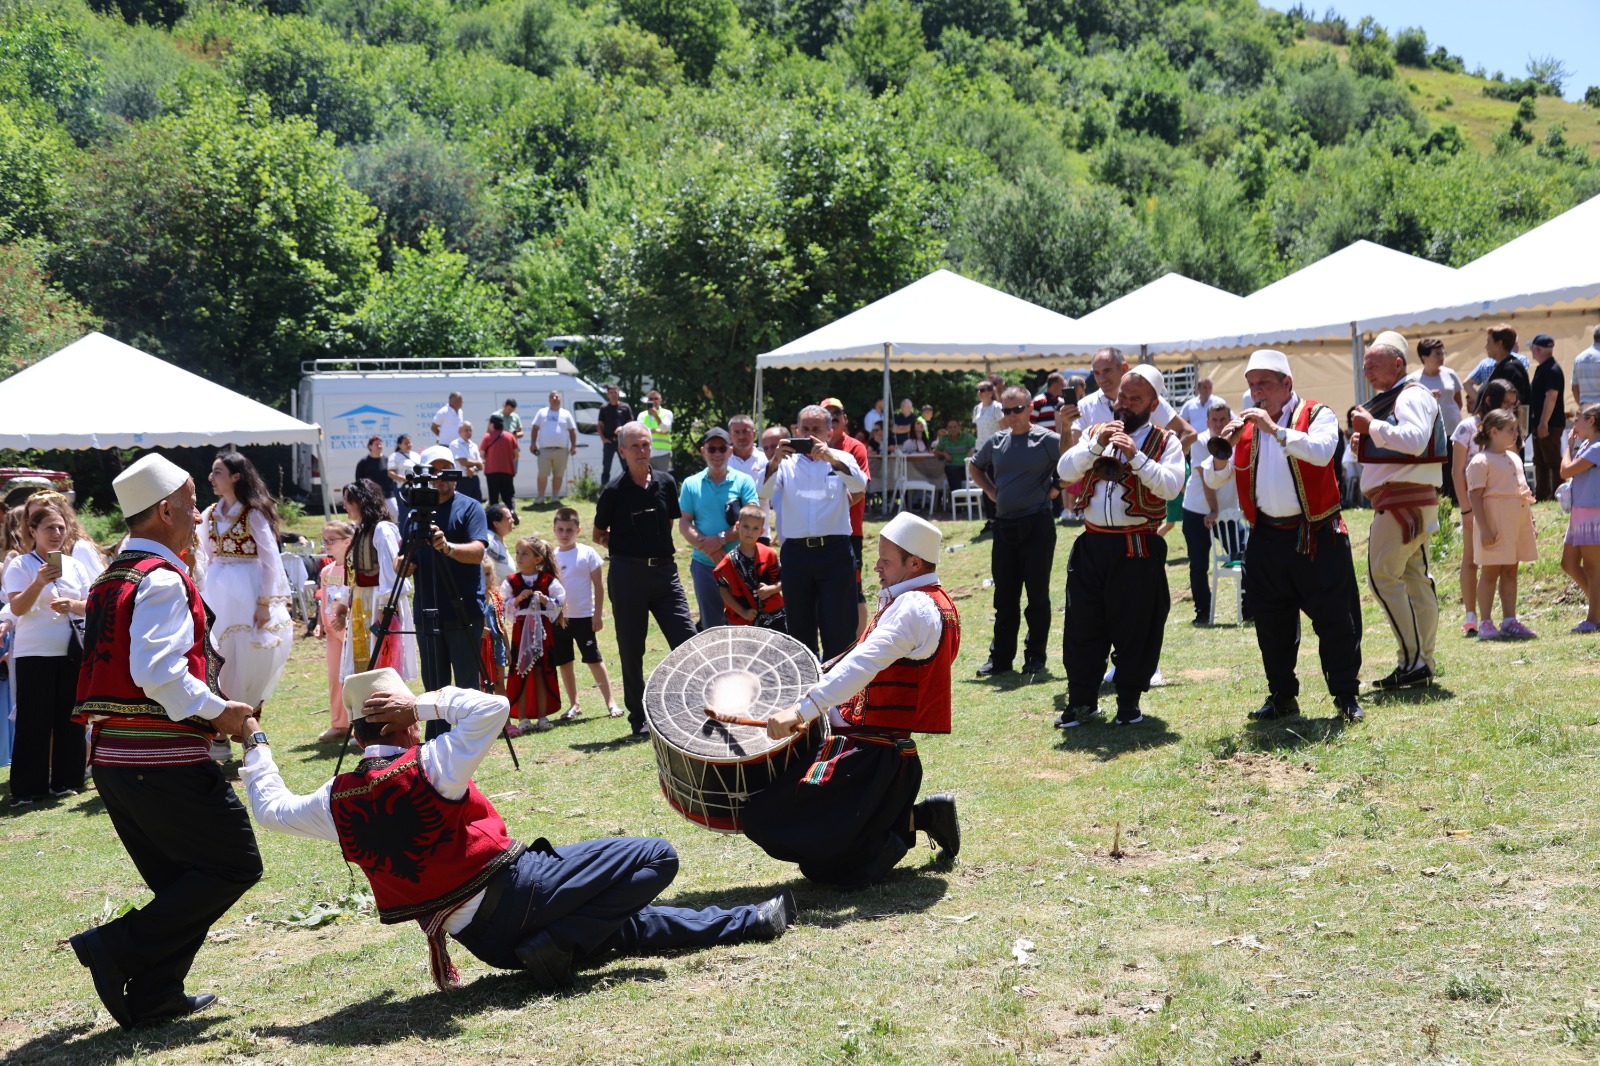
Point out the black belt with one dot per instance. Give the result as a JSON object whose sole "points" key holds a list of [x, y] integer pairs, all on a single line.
{"points": [[818, 542], [647, 560]]}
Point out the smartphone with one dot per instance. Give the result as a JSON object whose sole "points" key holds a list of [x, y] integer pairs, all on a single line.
{"points": [[55, 559], [801, 445]]}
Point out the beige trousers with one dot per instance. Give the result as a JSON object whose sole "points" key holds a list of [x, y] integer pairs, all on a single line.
{"points": [[1398, 574]]}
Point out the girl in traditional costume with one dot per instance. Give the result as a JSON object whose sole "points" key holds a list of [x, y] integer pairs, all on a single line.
{"points": [[332, 595], [370, 574], [533, 598]]}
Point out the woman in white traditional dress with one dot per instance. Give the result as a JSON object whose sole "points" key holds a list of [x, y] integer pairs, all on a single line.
{"points": [[242, 581], [370, 574]]}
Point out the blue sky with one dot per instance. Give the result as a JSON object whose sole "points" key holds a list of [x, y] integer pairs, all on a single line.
{"points": [[1493, 33]]}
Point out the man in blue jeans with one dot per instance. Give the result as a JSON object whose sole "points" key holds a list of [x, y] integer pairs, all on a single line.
{"points": [[436, 851], [709, 522], [447, 584]]}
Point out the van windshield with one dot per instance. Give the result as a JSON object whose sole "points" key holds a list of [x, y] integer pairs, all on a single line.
{"points": [[587, 413]]}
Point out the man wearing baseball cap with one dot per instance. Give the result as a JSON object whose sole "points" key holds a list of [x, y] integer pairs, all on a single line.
{"points": [[1547, 417], [436, 851], [847, 811], [144, 687], [1298, 556], [840, 439], [710, 501]]}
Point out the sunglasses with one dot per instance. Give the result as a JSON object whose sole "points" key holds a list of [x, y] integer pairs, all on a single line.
{"points": [[1013, 410]]}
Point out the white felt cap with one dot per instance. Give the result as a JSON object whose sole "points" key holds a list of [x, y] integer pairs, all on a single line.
{"points": [[1390, 339], [916, 536], [1152, 377], [357, 687], [1268, 359], [147, 482]]}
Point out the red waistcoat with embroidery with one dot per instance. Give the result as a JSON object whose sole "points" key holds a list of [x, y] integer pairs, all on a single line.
{"points": [[912, 695], [421, 852], [1141, 502], [1316, 486]]}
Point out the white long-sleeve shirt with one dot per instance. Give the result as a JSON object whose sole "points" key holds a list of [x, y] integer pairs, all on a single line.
{"points": [[1097, 407], [273, 582], [810, 497], [160, 635], [1274, 481], [1415, 411], [386, 541], [448, 762], [1163, 476], [909, 627]]}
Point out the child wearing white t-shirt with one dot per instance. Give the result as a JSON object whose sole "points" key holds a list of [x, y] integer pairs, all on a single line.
{"points": [[580, 568]]}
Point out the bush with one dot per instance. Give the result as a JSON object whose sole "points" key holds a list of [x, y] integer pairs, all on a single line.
{"points": [[1370, 52], [1001, 19], [388, 21], [432, 304], [30, 166], [1591, 96], [1411, 47], [421, 182], [1518, 89], [36, 318], [884, 45], [627, 52], [696, 30]]}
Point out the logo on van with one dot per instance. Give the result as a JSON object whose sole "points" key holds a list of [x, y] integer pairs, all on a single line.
{"points": [[367, 420]]}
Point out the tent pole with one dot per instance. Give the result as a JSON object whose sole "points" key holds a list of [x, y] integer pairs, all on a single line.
{"points": [[327, 475], [1357, 357], [887, 424], [760, 420]]}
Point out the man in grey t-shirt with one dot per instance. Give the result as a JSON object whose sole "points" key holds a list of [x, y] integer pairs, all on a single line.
{"points": [[1016, 468]]}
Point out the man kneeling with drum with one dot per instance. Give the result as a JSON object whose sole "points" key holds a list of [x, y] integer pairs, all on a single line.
{"points": [[847, 813], [436, 850]]}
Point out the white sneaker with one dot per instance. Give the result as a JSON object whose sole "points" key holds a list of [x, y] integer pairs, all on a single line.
{"points": [[572, 712], [615, 712], [1156, 680], [1111, 675], [540, 725]]}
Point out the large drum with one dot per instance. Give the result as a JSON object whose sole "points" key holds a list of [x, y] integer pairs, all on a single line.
{"points": [[708, 769]]}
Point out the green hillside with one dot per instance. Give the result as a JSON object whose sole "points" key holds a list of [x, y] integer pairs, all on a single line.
{"points": [[241, 187]]}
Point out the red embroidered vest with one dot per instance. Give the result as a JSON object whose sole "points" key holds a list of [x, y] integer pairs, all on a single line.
{"points": [[767, 572], [912, 695], [130, 727], [1316, 486], [1140, 500], [422, 853]]}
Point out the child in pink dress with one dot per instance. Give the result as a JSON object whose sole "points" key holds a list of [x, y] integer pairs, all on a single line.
{"points": [[1502, 528], [330, 589]]}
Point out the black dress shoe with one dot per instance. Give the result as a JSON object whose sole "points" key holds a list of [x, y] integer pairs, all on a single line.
{"points": [[549, 966], [774, 916], [1401, 677], [177, 1007], [1032, 666], [109, 980], [1276, 707], [1349, 709], [936, 816], [990, 668]]}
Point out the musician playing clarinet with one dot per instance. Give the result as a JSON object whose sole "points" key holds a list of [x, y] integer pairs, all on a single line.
{"points": [[847, 811], [436, 851], [1298, 556]]}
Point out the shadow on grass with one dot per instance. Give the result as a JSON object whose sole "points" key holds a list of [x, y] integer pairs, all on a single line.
{"points": [[1283, 734], [94, 806], [1008, 682], [590, 747], [1409, 696], [1106, 741], [909, 889], [77, 1044]]}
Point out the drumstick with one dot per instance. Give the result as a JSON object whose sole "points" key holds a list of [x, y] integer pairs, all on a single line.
{"points": [[734, 719]]}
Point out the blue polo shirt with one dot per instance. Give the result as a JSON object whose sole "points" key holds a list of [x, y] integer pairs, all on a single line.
{"points": [[706, 502]]}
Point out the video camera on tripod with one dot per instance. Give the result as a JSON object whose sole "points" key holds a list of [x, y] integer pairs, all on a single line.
{"points": [[417, 492]]}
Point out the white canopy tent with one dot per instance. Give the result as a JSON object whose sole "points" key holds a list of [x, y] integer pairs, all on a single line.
{"points": [[180, 409], [941, 322], [1167, 306]]}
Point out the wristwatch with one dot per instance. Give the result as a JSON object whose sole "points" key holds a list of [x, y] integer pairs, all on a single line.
{"points": [[1282, 434], [255, 740]]}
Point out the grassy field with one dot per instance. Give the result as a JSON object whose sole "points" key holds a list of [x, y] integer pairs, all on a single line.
{"points": [[1420, 887]]}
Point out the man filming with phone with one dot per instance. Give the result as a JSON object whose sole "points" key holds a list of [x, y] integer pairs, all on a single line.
{"points": [[448, 580], [810, 485]]}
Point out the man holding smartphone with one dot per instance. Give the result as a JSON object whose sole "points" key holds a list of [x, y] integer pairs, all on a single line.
{"points": [[810, 486]]}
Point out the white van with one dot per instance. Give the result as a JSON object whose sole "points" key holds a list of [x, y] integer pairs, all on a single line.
{"points": [[354, 399]]}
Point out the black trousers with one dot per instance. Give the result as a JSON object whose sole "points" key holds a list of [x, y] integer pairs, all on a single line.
{"points": [[190, 838], [1197, 542], [471, 487], [819, 594], [608, 452], [448, 653], [638, 593], [1021, 557], [47, 751], [502, 489], [1114, 601], [1281, 583], [850, 829], [594, 897]]}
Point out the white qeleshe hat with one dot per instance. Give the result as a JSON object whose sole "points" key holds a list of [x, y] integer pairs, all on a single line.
{"points": [[1268, 359], [916, 536], [1390, 339], [429, 455], [147, 482], [357, 687], [1152, 377]]}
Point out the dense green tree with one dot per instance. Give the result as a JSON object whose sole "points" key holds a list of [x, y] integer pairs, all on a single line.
{"points": [[305, 68], [387, 21], [1411, 47], [30, 167], [696, 30], [36, 317], [884, 45], [431, 304], [45, 68], [1371, 54], [421, 183], [153, 12], [981, 18], [223, 237]]}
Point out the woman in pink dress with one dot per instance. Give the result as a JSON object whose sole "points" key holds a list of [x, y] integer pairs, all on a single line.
{"points": [[331, 595]]}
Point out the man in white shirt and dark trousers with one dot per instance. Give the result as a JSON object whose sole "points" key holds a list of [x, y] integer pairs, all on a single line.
{"points": [[811, 493], [144, 687], [1117, 596], [1298, 556], [447, 421], [988, 420], [848, 811], [1016, 469], [436, 851]]}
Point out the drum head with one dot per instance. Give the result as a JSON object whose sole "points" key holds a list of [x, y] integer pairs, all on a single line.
{"points": [[738, 670]]}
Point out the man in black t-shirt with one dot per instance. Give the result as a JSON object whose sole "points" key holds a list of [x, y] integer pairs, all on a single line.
{"points": [[633, 519], [1547, 416], [612, 416]]}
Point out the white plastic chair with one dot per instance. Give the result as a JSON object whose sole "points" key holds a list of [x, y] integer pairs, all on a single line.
{"points": [[1229, 526], [904, 485], [968, 498]]}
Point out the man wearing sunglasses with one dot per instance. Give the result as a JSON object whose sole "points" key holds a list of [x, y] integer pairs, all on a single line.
{"points": [[707, 500], [1016, 469]]}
